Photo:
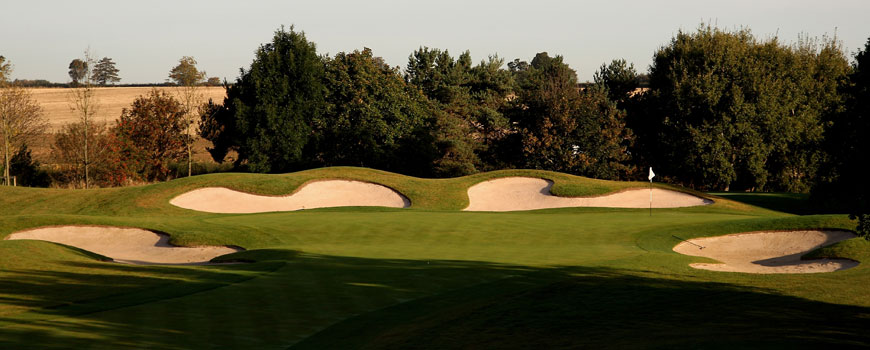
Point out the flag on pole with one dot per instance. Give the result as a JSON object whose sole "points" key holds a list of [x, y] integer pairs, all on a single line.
{"points": [[651, 174]]}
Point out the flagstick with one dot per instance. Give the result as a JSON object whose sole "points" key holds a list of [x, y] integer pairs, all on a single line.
{"points": [[650, 197]]}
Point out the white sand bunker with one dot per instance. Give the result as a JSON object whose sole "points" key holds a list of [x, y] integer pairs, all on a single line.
{"points": [[318, 194], [767, 252], [125, 245], [525, 193]]}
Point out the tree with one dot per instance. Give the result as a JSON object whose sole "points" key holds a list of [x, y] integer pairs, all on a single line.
{"points": [[618, 79], [83, 103], [727, 111], [77, 70], [842, 181], [188, 78], [372, 117], [77, 166], [20, 121], [564, 129], [105, 72], [471, 99], [270, 109], [5, 70], [26, 170], [152, 134]]}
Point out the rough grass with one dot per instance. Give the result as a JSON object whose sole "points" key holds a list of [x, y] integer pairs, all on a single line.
{"points": [[426, 277]]}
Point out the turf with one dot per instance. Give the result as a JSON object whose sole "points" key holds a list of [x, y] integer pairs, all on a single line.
{"points": [[426, 277]]}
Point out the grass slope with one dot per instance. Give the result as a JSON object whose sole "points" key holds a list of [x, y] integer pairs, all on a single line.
{"points": [[426, 277]]}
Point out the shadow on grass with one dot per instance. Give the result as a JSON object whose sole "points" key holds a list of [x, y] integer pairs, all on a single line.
{"points": [[792, 203], [328, 302], [601, 308]]}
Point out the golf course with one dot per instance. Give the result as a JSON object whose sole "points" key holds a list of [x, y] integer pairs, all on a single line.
{"points": [[429, 263]]}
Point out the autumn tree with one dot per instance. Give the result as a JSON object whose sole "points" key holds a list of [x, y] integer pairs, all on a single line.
{"points": [[78, 68], [188, 78], [82, 165], [105, 72], [152, 133], [84, 104], [21, 120]]}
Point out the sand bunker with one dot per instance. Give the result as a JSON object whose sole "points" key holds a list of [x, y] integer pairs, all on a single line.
{"points": [[525, 193], [767, 252], [318, 194], [125, 245]]}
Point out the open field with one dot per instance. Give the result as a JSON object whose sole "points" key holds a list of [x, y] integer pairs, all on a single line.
{"points": [[427, 276], [55, 102]]}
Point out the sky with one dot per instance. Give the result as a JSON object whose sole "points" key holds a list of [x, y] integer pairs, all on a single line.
{"points": [[147, 38]]}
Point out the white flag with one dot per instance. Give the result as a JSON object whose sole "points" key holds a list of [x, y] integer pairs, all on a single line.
{"points": [[651, 174]]}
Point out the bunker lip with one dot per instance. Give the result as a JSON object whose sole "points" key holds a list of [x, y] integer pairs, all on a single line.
{"points": [[125, 244], [527, 193], [311, 195], [767, 252]]}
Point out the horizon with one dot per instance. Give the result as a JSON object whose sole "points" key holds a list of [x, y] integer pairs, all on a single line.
{"points": [[146, 42]]}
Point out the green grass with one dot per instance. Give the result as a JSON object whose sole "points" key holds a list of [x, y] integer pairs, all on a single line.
{"points": [[426, 277]]}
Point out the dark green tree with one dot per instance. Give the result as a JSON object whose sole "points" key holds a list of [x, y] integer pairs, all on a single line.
{"points": [[372, 116], [726, 111], [105, 72], [77, 70], [618, 78], [471, 100], [271, 107], [27, 171], [564, 129], [843, 184]]}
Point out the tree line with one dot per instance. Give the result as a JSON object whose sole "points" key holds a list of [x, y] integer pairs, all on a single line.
{"points": [[723, 110]]}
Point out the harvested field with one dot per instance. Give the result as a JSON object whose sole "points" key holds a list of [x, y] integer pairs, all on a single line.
{"points": [[56, 105]]}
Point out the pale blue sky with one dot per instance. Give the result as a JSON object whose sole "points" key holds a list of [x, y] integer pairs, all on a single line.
{"points": [[146, 38]]}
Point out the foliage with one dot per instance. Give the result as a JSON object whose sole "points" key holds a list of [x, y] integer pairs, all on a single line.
{"points": [[372, 116], [151, 134], [727, 111], [69, 155], [78, 68], [214, 121], [27, 170], [105, 72], [470, 100], [564, 129], [270, 109], [5, 70], [21, 120], [186, 73], [843, 179], [618, 79]]}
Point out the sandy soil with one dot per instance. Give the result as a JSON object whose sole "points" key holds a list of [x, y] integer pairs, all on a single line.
{"points": [[125, 245], [767, 252], [524, 193], [317, 194]]}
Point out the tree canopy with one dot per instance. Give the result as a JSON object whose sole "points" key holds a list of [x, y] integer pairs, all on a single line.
{"points": [[727, 111], [105, 72]]}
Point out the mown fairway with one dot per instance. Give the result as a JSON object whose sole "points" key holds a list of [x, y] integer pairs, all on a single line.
{"points": [[426, 277]]}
